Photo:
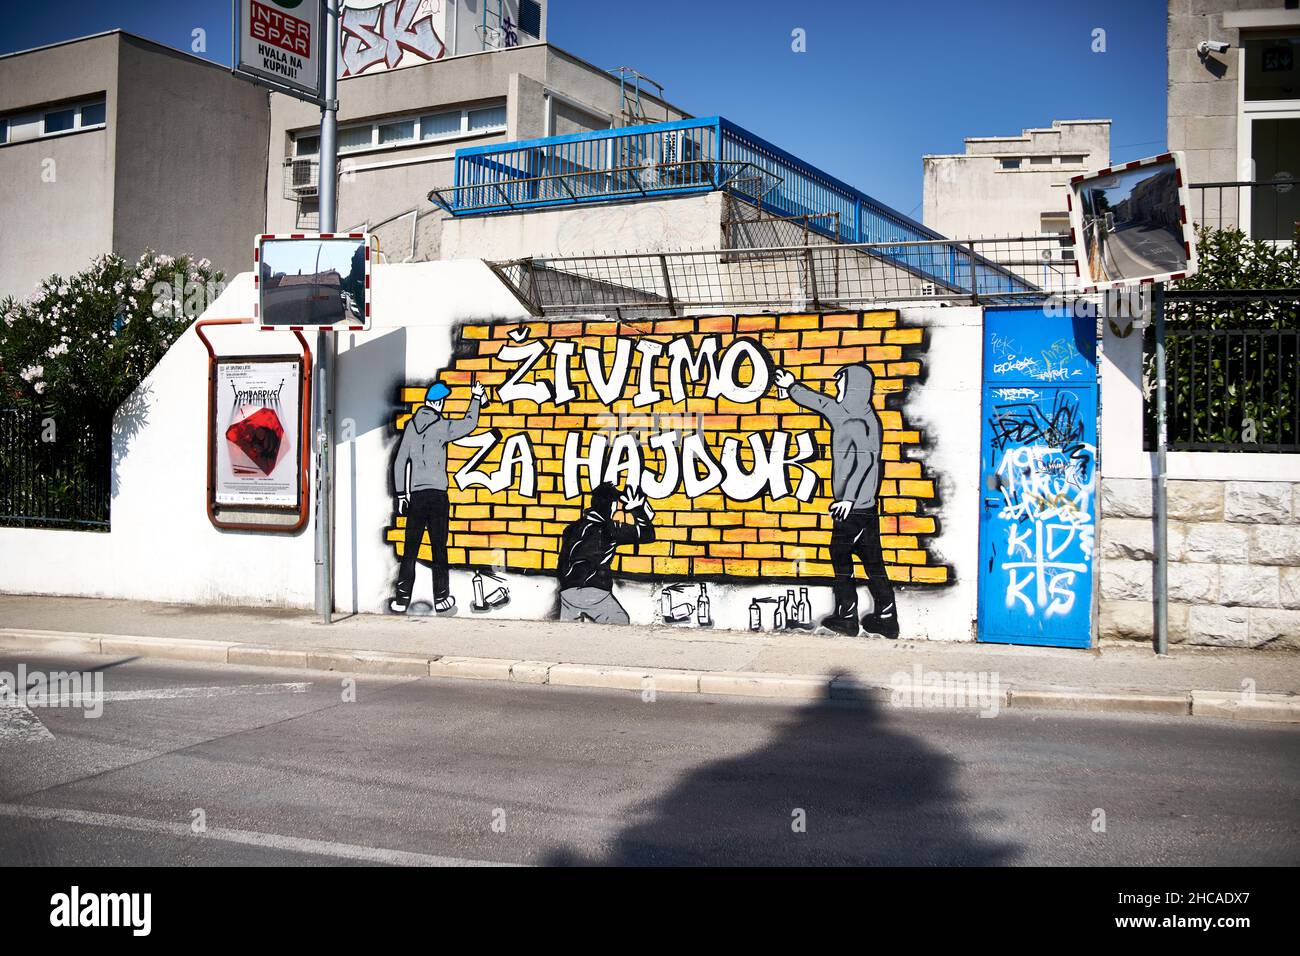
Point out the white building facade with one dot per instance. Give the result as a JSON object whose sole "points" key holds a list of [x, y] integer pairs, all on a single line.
{"points": [[1012, 185]]}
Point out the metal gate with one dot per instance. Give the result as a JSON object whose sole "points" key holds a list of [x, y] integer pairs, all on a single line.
{"points": [[1039, 478]]}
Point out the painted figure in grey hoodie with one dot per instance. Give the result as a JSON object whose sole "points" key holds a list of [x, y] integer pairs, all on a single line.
{"points": [[856, 438], [420, 484]]}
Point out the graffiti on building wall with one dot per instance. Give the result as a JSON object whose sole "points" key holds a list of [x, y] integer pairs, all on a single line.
{"points": [[393, 33], [1046, 475], [760, 449]]}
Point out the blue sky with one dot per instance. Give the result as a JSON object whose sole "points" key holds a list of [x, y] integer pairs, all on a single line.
{"points": [[880, 85]]}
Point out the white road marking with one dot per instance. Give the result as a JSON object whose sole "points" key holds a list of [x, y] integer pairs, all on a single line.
{"points": [[179, 693], [18, 725], [270, 841]]}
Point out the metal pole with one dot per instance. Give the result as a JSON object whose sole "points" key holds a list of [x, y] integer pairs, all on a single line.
{"points": [[325, 354], [1161, 501]]}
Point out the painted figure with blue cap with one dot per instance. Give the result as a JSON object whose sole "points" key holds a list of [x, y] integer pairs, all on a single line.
{"points": [[420, 484]]}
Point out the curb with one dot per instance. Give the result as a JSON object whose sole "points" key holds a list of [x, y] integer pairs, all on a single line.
{"points": [[1277, 708]]}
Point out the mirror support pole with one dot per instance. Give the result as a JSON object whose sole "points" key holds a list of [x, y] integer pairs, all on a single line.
{"points": [[325, 342], [1161, 496]]}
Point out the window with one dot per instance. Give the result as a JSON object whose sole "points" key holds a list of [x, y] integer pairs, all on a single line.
{"points": [[1040, 160], [492, 116], [1054, 223], [92, 114], [398, 132], [530, 17], [38, 122], [1010, 164], [357, 137], [56, 121], [1271, 71], [439, 124], [1073, 160]]}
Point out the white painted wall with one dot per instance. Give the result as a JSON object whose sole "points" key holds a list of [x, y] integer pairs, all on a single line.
{"points": [[163, 548], [669, 225], [946, 409]]}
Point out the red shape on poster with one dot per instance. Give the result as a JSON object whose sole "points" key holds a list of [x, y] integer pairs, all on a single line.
{"points": [[259, 436]]}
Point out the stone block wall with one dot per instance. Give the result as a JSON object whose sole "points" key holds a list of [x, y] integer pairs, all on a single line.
{"points": [[1234, 562]]}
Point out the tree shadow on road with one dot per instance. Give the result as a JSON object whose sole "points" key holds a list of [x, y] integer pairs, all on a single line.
{"points": [[869, 794]]}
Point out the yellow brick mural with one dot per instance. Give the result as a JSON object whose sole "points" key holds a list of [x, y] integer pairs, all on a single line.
{"points": [[737, 468]]}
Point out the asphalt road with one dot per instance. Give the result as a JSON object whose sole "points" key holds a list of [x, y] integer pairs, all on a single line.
{"points": [[1144, 250], [420, 770]]}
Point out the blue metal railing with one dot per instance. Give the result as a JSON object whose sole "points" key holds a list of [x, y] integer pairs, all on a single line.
{"points": [[702, 155], [655, 160]]}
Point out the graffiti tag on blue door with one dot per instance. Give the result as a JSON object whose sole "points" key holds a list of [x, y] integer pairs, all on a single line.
{"points": [[1038, 528]]}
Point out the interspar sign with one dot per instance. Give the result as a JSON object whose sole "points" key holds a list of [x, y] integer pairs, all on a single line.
{"points": [[280, 42]]}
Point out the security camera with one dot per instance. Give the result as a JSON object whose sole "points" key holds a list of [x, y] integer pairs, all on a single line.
{"points": [[1206, 47]]}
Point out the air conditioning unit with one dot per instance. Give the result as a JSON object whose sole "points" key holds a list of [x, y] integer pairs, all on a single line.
{"points": [[679, 159], [302, 178]]}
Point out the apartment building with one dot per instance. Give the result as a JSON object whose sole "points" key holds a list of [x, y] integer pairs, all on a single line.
{"points": [[114, 142], [399, 130], [1012, 185]]}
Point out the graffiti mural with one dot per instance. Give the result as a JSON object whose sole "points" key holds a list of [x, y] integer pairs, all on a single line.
{"points": [[764, 450], [1040, 481], [389, 34]]}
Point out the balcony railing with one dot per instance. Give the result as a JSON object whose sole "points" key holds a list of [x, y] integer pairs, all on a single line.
{"points": [[696, 156], [1263, 210]]}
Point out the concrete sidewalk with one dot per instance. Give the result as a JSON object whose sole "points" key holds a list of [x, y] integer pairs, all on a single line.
{"points": [[1195, 681]]}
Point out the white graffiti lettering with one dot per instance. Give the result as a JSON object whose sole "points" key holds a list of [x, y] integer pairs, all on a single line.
{"points": [[516, 463], [690, 465], [687, 363], [384, 33]]}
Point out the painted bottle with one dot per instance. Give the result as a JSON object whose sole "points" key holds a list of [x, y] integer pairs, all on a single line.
{"points": [[703, 612], [778, 622], [791, 609], [479, 602], [755, 616], [805, 607]]}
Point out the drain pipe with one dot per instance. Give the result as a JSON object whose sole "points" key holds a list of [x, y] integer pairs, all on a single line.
{"points": [[1161, 496]]}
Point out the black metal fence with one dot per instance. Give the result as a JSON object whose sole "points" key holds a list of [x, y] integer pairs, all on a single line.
{"points": [[53, 472], [1233, 373]]}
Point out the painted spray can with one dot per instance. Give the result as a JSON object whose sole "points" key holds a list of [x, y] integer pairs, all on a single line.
{"points": [[479, 601], [755, 616]]}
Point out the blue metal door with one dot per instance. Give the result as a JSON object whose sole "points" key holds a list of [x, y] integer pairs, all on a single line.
{"points": [[1038, 479]]}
